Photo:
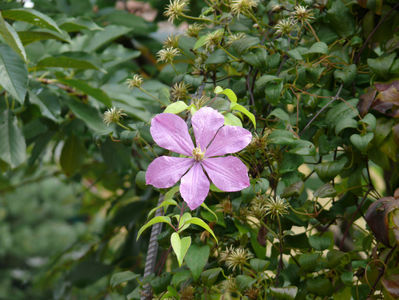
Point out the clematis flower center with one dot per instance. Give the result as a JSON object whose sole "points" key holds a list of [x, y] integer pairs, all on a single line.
{"points": [[198, 154]]}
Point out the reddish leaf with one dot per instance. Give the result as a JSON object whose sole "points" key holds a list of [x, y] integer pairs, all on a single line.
{"points": [[391, 284], [377, 217], [366, 100]]}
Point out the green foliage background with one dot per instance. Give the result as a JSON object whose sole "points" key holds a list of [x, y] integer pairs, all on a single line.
{"points": [[322, 93]]}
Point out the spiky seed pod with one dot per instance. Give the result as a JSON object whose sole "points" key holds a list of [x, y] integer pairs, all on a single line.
{"points": [[236, 258], [113, 115], [302, 14], [172, 41], [276, 207], [194, 29], [175, 9], [285, 26], [135, 81], [179, 91], [243, 6], [167, 55]]}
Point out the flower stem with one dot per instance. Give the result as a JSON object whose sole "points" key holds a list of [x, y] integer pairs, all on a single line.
{"points": [[149, 94]]}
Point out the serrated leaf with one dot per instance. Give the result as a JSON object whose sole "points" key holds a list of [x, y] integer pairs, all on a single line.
{"points": [[72, 155], [11, 38], [31, 16], [13, 73], [12, 142], [180, 246], [158, 219], [65, 62], [96, 93]]}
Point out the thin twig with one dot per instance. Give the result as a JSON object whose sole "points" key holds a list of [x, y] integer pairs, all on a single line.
{"points": [[323, 108]]}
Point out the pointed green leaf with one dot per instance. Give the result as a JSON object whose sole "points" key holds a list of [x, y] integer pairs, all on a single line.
{"points": [[121, 277], [31, 16], [196, 259], [13, 73], [11, 37], [176, 107], [158, 219], [242, 109], [180, 246], [12, 142], [199, 222]]}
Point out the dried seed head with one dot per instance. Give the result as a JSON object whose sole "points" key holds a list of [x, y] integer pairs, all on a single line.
{"points": [[302, 14], [175, 9], [225, 207], [167, 55], [194, 29], [243, 6], [285, 26], [113, 115], [187, 293], [179, 91], [135, 81], [276, 207]]}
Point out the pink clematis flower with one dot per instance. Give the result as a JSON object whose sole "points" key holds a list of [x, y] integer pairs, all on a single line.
{"points": [[206, 160]]}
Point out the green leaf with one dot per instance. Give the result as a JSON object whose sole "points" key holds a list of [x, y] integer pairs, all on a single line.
{"points": [[196, 259], [273, 91], [244, 282], [165, 204], [72, 155], [294, 190], [13, 73], [326, 190], [281, 137], [158, 219], [319, 47], [180, 246], [11, 38], [217, 57], [284, 293], [101, 38], [200, 42], [320, 286], [256, 58], [328, 170], [232, 120], [340, 18], [176, 107], [28, 37], [12, 142], [210, 276], [77, 24], [31, 16], [65, 62], [121, 277], [242, 109], [228, 92], [370, 121], [199, 222], [361, 142], [259, 265], [81, 85], [245, 43], [281, 114], [322, 242], [89, 115], [302, 147], [210, 210], [381, 65], [347, 75]]}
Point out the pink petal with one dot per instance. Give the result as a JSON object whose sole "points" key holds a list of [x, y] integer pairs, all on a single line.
{"points": [[229, 139], [206, 122], [228, 173], [194, 186], [165, 171], [170, 132]]}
